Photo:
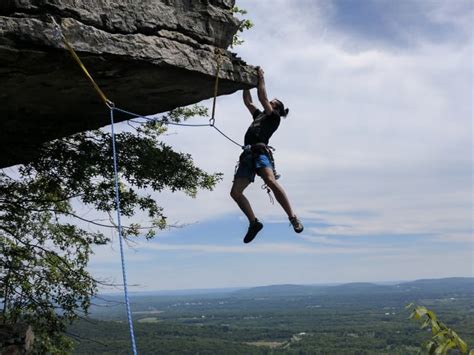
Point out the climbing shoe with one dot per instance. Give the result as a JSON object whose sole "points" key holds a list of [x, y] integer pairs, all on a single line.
{"points": [[254, 228], [296, 223]]}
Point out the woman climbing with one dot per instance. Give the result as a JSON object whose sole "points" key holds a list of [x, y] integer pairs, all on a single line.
{"points": [[257, 158]]}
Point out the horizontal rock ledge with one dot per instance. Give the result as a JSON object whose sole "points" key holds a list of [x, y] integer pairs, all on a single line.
{"points": [[44, 95]]}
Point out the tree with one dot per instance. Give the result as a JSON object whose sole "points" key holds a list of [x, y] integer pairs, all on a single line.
{"points": [[443, 338], [245, 24], [44, 248]]}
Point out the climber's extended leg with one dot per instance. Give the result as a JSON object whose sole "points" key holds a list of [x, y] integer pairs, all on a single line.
{"points": [[269, 178], [238, 187], [236, 192]]}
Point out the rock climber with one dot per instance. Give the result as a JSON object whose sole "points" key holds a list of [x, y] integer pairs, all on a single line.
{"points": [[257, 158]]}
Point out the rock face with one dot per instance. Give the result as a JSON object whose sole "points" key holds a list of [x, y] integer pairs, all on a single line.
{"points": [[16, 339], [148, 56]]}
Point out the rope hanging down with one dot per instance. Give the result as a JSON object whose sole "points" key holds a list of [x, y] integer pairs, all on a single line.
{"points": [[218, 58], [119, 224], [112, 108], [117, 194]]}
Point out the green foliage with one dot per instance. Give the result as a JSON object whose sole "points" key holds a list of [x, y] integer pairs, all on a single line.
{"points": [[443, 338], [184, 113], [245, 24], [45, 244]]}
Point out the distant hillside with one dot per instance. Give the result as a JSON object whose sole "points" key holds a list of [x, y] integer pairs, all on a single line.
{"points": [[460, 285], [452, 284], [304, 290], [360, 287], [276, 297], [279, 291]]}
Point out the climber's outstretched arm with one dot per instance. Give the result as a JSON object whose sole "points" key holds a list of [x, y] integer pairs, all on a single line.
{"points": [[262, 92], [248, 101]]}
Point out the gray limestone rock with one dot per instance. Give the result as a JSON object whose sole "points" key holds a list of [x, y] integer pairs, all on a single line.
{"points": [[148, 56]]}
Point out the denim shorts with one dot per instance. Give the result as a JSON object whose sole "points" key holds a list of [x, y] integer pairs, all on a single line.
{"points": [[248, 165]]}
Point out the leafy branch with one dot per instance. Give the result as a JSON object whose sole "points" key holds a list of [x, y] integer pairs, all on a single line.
{"points": [[443, 338], [245, 24]]}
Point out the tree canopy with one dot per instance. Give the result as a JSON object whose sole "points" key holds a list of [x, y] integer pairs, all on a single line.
{"points": [[44, 242]]}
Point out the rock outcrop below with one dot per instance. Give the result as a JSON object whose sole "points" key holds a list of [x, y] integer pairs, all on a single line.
{"points": [[148, 56], [16, 339]]}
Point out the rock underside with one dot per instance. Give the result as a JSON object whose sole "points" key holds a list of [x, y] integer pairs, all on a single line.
{"points": [[148, 56]]}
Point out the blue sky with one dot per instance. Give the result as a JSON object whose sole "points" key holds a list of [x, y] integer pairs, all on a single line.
{"points": [[376, 155]]}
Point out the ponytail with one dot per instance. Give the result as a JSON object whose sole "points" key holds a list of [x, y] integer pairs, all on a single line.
{"points": [[282, 111]]}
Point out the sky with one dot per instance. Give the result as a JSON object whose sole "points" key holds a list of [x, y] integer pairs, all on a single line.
{"points": [[375, 156]]}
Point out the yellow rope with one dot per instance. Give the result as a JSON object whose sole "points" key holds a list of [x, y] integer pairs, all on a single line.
{"points": [[82, 66], [218, 58]]}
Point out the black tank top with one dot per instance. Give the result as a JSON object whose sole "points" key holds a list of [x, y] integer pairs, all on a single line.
{"points": [[262, 127]]}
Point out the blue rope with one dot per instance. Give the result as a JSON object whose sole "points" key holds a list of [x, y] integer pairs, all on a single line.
{"points": [[117, 202], [119, 223], [226, 136], [164, 121]]}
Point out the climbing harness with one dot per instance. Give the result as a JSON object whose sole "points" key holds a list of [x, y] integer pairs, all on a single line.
{"points": [[262, 148], [250, 155]]}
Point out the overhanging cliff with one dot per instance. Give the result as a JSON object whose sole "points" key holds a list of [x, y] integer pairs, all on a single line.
{"points": [[149, 56]]}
